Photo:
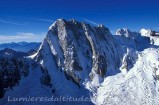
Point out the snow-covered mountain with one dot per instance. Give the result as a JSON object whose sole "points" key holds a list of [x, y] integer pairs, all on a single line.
{"points": [[80, 60], [21, 46], [81, 50], [132, 40], [154, 39]]}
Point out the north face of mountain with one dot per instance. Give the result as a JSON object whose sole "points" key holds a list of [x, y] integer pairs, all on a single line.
{"points": [[79, 49]]}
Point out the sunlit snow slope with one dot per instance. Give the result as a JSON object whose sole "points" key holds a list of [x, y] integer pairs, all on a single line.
{"points": [[139, 85]]}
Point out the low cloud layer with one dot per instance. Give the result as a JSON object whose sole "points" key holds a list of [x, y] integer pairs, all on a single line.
{"points": [[28, 37]]}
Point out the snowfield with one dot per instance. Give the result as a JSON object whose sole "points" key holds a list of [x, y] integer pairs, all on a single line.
{"points": [[137, 87]]}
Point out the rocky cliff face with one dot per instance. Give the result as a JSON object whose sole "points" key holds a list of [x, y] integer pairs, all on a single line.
{"points": [[80, 50]]}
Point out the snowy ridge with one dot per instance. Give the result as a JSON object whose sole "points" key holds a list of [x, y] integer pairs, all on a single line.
{"points": [[137, 85], [132, 40], [154, 39]]}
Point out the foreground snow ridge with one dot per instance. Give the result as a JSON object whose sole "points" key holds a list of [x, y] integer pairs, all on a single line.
{"points": [[78, 60]]}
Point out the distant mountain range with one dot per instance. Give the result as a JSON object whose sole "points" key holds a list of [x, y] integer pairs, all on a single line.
{"points": [[21, 46], [9, 53]]}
